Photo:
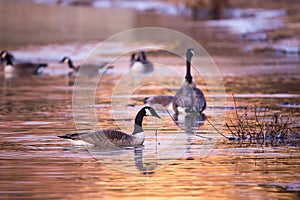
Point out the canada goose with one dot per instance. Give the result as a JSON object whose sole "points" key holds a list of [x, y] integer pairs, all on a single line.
{"points": [[116, 137], [20, 69], [189, 99], [72, 69], [141, 62]]}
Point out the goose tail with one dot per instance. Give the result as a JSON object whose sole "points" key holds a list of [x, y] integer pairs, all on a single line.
{"points": [[64, 136], [40, 68], [70, 136]]}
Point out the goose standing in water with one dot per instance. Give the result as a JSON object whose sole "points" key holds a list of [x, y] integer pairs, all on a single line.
{"points": [[72, 69], [189, 98], [112, 136], [20, 69]]}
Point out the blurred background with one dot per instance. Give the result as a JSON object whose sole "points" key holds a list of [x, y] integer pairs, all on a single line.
{"points": [[40, 22], [255, 45]]}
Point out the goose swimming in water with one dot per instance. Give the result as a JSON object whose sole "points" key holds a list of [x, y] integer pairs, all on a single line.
{"points": [[72, 69], [20, 69], [141, 61], [189, 98], [115, 137]]}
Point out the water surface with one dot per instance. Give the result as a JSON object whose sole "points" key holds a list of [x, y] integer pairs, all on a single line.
{"points": [[36, 164]]}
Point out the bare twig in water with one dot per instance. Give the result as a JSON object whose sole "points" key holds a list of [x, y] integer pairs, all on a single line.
{"points": [[229, 138], [258, 125]]}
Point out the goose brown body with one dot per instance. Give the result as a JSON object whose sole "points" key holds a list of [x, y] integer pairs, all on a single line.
{"points": [[104, 137], [163, 100], [189, 99]]}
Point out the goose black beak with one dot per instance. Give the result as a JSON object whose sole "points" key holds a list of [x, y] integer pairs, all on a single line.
{"points": [[154, 114], [157, 116], [62, 61]]}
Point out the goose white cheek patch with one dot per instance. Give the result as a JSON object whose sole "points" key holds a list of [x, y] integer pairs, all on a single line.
{"points": [[148, 112], [4, 55], [193, 52]]}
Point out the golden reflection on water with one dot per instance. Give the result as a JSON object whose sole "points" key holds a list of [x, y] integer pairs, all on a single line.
{"points": [[218, 176], [37, 164]]}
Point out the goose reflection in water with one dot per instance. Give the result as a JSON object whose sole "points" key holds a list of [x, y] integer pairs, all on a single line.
{"points": [[190, 124], [125, 158], [144, 167]]}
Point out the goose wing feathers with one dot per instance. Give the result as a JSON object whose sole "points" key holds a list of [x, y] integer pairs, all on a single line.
{"points": [[200, 99], [102, 137], [185, 97], [190, 98], [163, 100], [30, 68]]}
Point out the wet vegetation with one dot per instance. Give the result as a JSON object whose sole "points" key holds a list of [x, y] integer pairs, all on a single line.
{"points": [[259, 125]]}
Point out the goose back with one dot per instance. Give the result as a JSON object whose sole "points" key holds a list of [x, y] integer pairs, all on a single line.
{"points": [[105, 137]]}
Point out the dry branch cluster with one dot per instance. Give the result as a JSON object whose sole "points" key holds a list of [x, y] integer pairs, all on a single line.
{"points": [[258, 125]]}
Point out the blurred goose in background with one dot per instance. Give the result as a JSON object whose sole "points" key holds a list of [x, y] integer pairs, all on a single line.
{"points": [[189, 98], [140, 62], [163, 100], [93, 68], [20, 69], [72, 69], [115, 137]]}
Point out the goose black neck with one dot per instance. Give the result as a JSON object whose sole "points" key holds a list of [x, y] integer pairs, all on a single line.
{"points": [[71, 64], [9, 59], [139, 59], [132, 57], [139, 121], [143, 54], [188, 76]]}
